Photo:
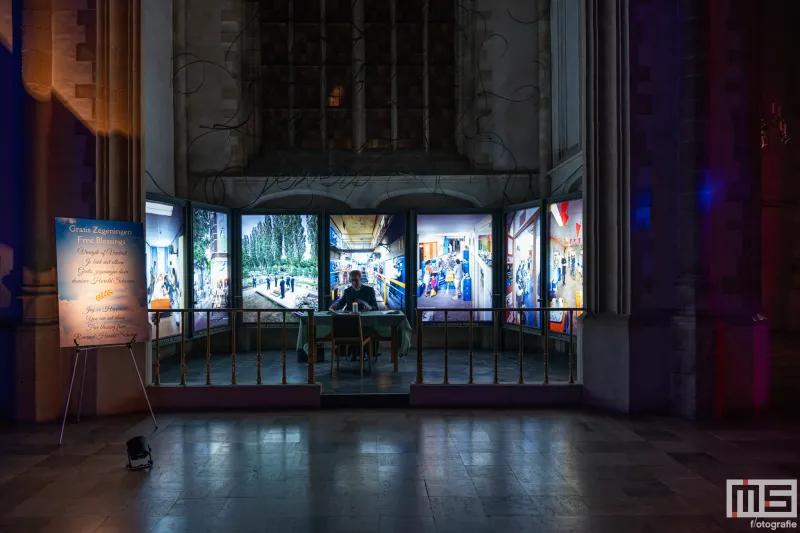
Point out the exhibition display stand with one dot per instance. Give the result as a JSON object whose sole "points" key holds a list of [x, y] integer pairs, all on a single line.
{"points": [[82, 350], [101, 292]]}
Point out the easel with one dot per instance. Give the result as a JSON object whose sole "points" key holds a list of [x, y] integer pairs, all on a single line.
{"points": [[83, 349]]}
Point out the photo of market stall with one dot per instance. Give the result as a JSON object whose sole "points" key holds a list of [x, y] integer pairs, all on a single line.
{"points": [[375, 245]]}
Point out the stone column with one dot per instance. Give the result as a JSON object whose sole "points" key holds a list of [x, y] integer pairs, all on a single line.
{"points": [[359, 59], [81, 107], [118, 170], [605, 350], [180, 89], [465, 69], [38, 367], [119, 176], [670, 276], [693, 158], [545, 96], [730, 212]]}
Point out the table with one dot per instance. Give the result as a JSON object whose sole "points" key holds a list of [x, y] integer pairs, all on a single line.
{"points": [[379, 325]]}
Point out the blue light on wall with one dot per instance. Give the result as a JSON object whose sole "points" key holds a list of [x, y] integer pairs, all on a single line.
{"points": [[705, 192], [641, 210]]}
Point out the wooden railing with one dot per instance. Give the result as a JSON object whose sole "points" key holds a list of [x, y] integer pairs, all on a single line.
{"points": [[497, 313], [497, 321], [232, 314]]}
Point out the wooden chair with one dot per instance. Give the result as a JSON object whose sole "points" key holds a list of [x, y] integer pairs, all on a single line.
{"points": [[346, 331]]}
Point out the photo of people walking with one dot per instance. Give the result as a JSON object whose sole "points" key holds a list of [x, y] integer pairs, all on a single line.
{"points": [[454, 258], [211, 269], [165, 243]]}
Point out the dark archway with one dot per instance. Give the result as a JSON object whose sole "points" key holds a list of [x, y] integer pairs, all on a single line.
{"points": [[425, 201]]}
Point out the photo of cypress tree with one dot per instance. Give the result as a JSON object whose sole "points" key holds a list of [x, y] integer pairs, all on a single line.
{"points": [[279, 248]]}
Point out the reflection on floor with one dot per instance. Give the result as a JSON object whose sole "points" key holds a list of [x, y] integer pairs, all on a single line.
{"points": [[383, 379], [389, 471]]}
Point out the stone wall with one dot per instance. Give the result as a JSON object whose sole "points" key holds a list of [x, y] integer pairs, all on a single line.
{"points": [[672, 274], [159, 120], [497, 83], [212, 90], [75, 88], [10, 205], [565, 75], [504, 84]]}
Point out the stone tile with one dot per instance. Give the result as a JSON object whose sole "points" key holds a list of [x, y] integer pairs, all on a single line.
{"points": [[22, 525], [406, 524], [419, 471], [458, 488], [613, 447], [197, 507], [499, 488], [456, 508], [657, 435], [74, 524], [560, 505], [549, 488]]}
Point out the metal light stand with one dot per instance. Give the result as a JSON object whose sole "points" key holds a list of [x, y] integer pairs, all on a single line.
{"points": [[83, 349]]}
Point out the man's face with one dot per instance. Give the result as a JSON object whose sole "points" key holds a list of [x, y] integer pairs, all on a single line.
{"points": [[355, 281]]}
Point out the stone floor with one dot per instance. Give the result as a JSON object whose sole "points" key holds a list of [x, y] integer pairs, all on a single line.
{"points": [[383, 379], [389, 471]]}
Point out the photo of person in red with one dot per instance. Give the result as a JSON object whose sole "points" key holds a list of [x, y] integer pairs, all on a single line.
{"points": [[565, 261]]}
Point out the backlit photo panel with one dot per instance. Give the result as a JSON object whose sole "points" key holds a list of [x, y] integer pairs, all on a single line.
{"points": [[165, 244], [375, 245], [454, 266], [565, 260], [280, 269], [523, 281], [211, 267]]}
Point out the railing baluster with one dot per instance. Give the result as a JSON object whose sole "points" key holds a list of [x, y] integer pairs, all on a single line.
{"points": [[521, 349], [497, 314], [283, 353], [312, 346], [183, 349], [496, 333], [419, 347], [471, 312], [158, 348], [233, 347], [258, 347], [208, 347], [571, 351], [445, 348], [546, 326]]}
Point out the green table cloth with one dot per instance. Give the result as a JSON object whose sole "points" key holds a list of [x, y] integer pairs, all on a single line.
{"points": [[374, 323]]}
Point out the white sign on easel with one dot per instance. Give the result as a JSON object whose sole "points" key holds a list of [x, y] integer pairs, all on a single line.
{"points": [[102, 291]]}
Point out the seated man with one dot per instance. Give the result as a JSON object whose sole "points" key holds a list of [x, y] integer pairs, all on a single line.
{"points": [[356, 292]]}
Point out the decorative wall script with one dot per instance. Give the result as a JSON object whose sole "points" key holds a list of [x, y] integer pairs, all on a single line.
{"points": [[102, 292]]}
